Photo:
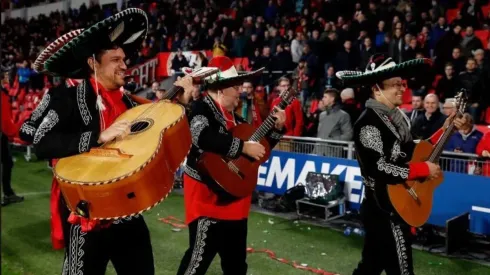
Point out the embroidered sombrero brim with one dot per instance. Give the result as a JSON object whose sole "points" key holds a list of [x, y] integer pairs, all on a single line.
{"points": [[405, 69], [126, 29], [216, 82], [227, 76], [53, 48]]}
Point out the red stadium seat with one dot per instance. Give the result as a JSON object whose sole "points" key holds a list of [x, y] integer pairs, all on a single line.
{"points": [[451, 14], [436, 80]]}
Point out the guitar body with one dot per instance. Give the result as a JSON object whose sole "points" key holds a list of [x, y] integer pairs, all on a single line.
{"points": [[238, 177], [415, 212], [127, 177]]}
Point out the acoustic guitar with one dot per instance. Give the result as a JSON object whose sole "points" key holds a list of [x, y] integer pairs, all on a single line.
{"points": [[126, 177], [413, 199], [238, 177]]}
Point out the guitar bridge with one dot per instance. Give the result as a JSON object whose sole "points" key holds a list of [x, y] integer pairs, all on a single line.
{"points": [[235, 169], [413, 194]]}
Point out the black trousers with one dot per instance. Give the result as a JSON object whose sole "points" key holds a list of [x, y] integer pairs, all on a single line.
{"points": [[7, 165], [126, 244], [208, 237], [387, 244]]}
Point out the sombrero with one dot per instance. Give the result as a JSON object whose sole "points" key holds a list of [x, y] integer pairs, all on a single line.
{"points": [[381, 67], [227, 76], [67, 55]]}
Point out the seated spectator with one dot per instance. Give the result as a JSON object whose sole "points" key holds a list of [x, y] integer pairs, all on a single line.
{"points": [[449, 106], [349, 104], [334, 123], [417, 107], [179, 62], [483, 150], [294, 113], [447, 85], [470, 81], [159, 95], [426, 125], [470, 42], [463, 141]]}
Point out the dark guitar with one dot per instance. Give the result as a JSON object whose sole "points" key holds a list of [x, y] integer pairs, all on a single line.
{"points": [[238, 177], [412, 200]]}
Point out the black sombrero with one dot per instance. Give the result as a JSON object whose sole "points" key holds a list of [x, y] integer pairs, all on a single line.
{"points": [[381, 67], [67, 56]]}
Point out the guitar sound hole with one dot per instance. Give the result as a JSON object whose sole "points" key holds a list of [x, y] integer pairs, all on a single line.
{"points": [[141, 125]]}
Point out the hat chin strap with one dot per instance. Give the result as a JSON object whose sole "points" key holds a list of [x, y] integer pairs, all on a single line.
{"points": [[383, 94], [100, 103]]}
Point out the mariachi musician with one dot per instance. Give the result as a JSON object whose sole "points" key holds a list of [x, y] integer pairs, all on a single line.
{"points": [[72, 120], [384, 148], [218, 221]]}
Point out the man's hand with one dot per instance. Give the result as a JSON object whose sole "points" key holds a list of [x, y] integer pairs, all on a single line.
{"points": [[485, 153], [253, 149], [434, 170], [460, 123], [280, 116], [186, 83], [119, 129]]}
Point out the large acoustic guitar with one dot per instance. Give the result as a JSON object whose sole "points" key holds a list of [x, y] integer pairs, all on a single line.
{"points": [[238, 177], [413, 199], [126, 177]]}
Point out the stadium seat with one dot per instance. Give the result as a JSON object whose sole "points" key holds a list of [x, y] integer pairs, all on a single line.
{"points": [[486, 116], [15, 111], [486, 10], [436, 80], [451, 14]]}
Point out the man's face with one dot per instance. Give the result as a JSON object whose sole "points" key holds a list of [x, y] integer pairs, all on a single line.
{"points": [[416, 102], [448, 108], [470, 65], [431, 104], [393, 89], [449, 70], [456, 53], [112, 69], [328, 100], [248, 88], [154, 87], [283, 86]]}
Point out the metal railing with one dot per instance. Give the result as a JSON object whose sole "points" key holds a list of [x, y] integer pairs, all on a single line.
{"points": [[450, 161]]}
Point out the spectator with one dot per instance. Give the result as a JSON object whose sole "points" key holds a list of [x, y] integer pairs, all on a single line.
{"points": [[426, 125], [465, 141], [334, 123], [483, 150], [458, 61], [470, 42], [294, 113], [366, 52], [159, 94], [444, 48], [449, 107], [417, 108], [470, 80], [155, 87], [447, 85], [349, 104], [248, 107], [179, 62]]}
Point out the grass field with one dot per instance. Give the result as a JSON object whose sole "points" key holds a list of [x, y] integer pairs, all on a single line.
{"points": [[26, 246]]}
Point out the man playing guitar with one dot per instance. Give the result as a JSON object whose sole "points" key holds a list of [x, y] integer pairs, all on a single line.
{"points": [[384, 146], [218, 221]]}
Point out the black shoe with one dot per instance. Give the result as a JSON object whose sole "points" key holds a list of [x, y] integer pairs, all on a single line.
{"points": [[11, 199]]}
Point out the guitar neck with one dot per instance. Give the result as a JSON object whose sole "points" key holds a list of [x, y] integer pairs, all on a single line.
{"points": [[172, 93], [439, 148], [268, 123]]}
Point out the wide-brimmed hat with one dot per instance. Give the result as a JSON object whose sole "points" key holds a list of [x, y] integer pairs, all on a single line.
{"points": [[67, 56], [227, 76], [381, 67]]}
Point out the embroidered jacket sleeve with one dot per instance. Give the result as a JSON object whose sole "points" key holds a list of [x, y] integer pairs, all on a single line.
{"points": [[213, 139], [30, 125], [383, 168], [54, 138]]}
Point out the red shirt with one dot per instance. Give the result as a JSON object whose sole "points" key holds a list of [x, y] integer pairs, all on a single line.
{"points": [[114, 106], [201, 201]]}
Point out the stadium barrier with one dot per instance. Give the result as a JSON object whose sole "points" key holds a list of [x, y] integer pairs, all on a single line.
{"points": [[460, 192]]}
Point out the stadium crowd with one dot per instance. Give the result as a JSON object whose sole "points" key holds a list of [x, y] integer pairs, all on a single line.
{"points": [[311, 39]]}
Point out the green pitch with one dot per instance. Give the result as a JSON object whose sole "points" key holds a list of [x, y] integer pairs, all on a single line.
{"points": [[26, 245]]}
